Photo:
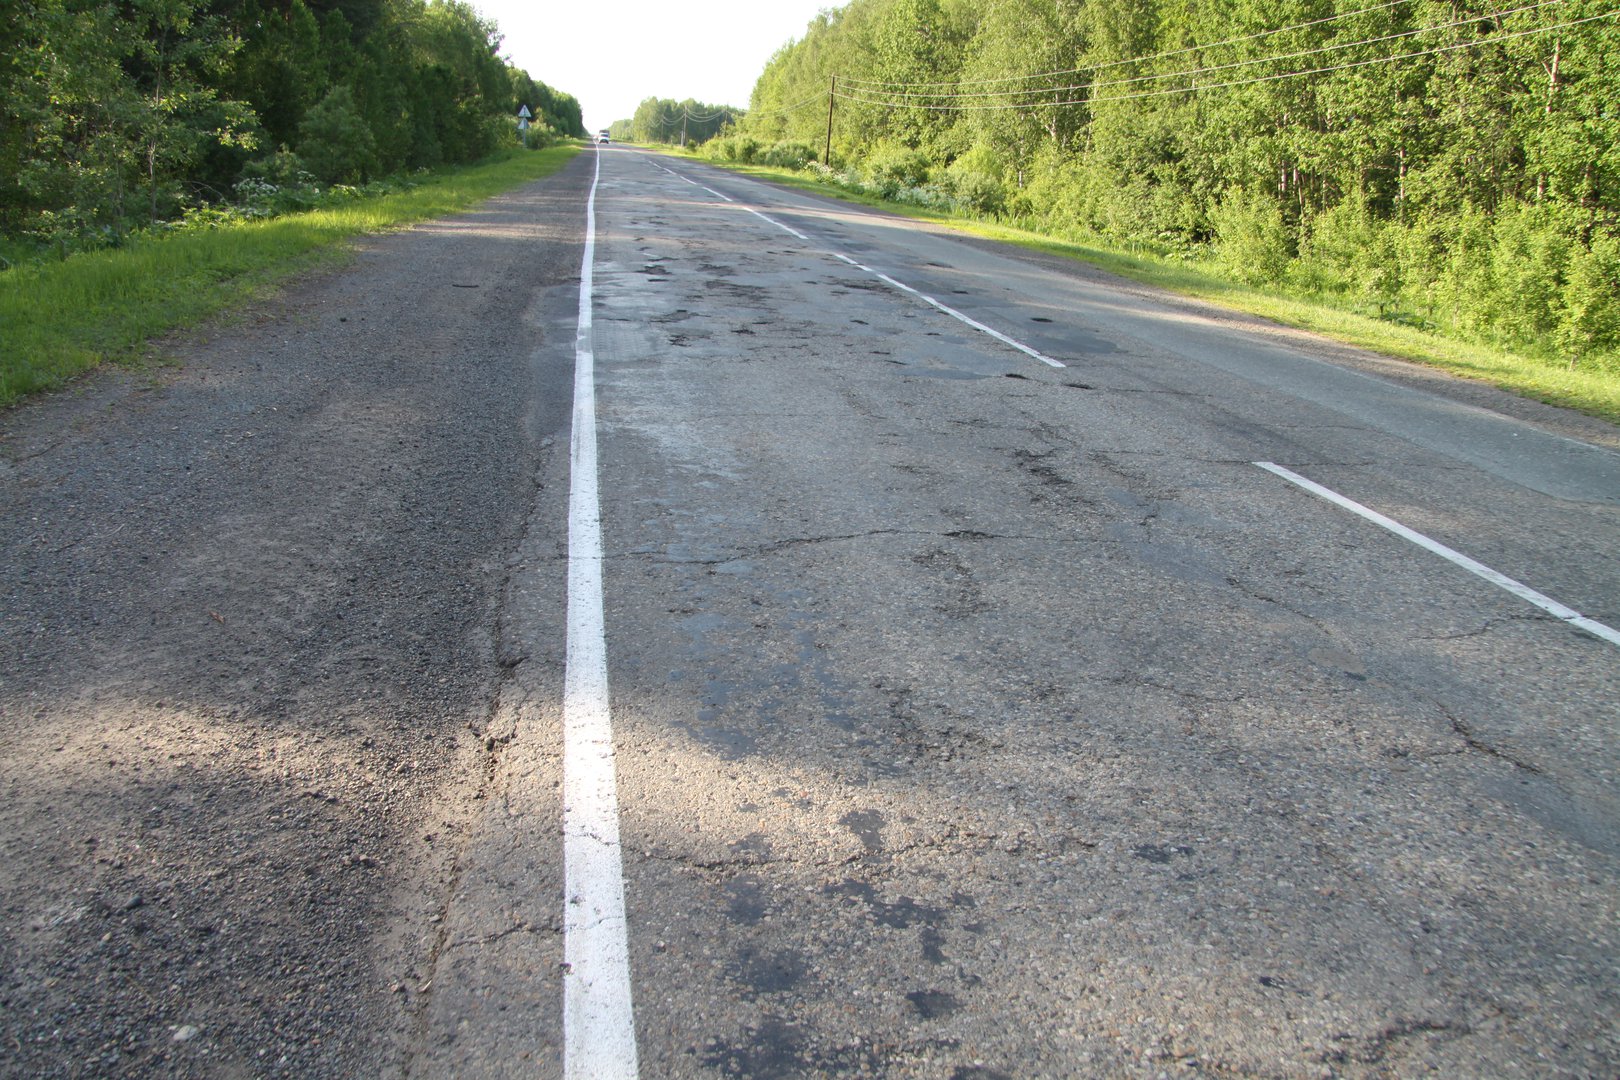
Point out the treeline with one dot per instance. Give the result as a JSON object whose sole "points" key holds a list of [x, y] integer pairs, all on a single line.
{"points": [[680, 123], [1453, 163], [115, 114]]}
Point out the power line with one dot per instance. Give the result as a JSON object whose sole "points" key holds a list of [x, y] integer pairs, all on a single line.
{"points": [[871, 84], [1190, 72], [815, 98], [724, 110], [1098, 100], [672, 115], [1334, 47], [1359, 63], [925, 95]]}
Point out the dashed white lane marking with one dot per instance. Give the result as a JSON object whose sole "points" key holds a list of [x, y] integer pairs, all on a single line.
{"points": [[772, 221], [1517, 588], [977, 325], [599, 1032], [924, 297]]}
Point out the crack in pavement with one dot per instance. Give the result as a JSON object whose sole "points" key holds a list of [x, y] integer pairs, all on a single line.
{"points": [[554, 928], [1374, 1049], [779, 546], [1474, 742], [1489, 626]]}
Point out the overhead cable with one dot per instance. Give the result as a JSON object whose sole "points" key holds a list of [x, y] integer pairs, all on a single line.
{"points": [[1190, 72], [815, 98], [868, 83], [857, 98]]}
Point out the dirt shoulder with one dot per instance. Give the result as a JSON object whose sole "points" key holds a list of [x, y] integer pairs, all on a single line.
{"points": [[249, 642]]}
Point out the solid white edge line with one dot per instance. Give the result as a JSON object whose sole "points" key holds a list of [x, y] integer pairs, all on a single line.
{"points": [[1517, 588], [599, 1033]]}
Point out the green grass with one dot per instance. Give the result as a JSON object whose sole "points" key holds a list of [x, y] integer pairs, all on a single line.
{"points": [[59, 319], [1596, 393]]}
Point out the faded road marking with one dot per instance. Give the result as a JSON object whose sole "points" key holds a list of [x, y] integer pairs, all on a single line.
{"points": [[1517, 588], [946, 308]]}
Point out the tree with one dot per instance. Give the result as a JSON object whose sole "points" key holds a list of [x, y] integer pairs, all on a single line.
{"points": [[334, 140], [917, 47], [1016, 42], [65, 162], [120, 112], [180, 53]]}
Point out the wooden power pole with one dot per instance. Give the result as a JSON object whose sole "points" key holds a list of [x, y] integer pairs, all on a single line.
{"points": [[832, 96]]}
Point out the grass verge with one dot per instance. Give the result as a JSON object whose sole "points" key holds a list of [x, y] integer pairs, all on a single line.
{"points": [[1595, 393], [60, 319]]}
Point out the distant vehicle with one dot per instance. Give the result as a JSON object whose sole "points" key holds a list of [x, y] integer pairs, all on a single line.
{"points": [[602, 136]]}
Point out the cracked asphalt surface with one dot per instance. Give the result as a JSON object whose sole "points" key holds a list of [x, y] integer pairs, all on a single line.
{"points": [[249, 640], [974, 718]]}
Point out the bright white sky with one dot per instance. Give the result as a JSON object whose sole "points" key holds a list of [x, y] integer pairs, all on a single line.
{"points": [[613, 54]]}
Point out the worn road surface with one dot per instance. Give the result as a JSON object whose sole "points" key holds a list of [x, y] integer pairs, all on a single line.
{"points": [[997, 689]]}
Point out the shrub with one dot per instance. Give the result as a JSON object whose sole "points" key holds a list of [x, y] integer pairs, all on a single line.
{"points": [[974, 180], [277, 184], [1376, 267], [1054, 198], [1464, 287], [1589, 304], [1251, 241], [1529, 254], [787, 154], [334, 140], [890, 169], [539, 136], [1328, 244], [1420, 248], [739, 148]]}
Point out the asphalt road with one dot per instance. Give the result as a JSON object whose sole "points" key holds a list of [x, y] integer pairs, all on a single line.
{"points": [[973, 716], [250, 633]]}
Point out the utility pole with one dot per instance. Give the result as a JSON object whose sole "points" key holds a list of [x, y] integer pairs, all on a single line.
{"points": [[832, 96], [685, 116]]}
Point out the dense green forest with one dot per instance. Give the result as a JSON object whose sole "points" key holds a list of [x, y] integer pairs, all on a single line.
{"points": [[1450, 164], [681, 123], [117, 114]]}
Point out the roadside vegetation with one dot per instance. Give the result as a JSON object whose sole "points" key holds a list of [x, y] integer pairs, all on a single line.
{"points": [[62, 316], [1592, 390], [159, 158], [677, 123], [120, 115], [1436, 180]]}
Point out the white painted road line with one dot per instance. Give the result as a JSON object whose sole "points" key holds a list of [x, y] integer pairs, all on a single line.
{"points": [[979, 326], [946, 308], [599, 1032], [1519, 589], [778, 224]]}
